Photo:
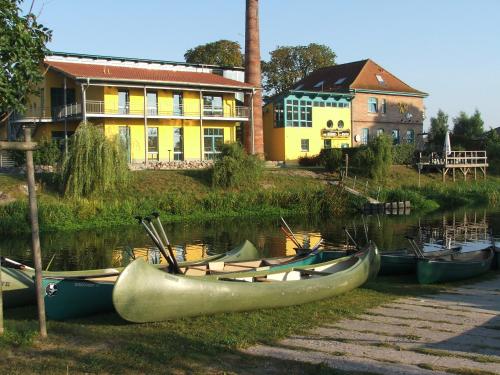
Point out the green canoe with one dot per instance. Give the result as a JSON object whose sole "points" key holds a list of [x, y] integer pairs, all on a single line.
{"points": [[403, 262], [454, 267], [73, 297], [145, 294], [19, 289]]}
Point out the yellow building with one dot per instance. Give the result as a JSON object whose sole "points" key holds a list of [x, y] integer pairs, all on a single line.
{"points": [[302, 123], [163, 111]]}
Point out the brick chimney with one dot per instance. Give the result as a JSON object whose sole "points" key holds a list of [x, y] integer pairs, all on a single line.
{"points": [[253, 77]]}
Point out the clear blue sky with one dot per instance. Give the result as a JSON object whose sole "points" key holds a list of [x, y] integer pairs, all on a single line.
{"points": [[448, 48]]}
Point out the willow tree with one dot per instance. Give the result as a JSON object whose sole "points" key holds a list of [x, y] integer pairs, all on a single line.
{"points": [[95, 164]]}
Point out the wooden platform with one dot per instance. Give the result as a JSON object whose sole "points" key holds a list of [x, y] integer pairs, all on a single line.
{"points": [[465, 162]]}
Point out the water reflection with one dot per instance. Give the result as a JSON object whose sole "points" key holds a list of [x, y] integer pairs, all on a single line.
{"points": [[192, 241]]}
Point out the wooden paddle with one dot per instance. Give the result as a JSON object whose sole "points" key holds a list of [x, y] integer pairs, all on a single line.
{"points": [[158, 244], [156, 215]]}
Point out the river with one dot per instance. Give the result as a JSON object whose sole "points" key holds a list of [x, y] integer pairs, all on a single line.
{"points": [[194, 240]]}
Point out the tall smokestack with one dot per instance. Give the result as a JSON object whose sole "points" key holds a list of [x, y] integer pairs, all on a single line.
{"points": [[253, 77]]}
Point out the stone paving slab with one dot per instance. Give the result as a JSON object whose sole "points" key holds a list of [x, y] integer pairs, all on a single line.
{"points": [[455, 331]]}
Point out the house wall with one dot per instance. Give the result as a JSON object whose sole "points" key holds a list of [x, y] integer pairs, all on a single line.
{"points": [[395, 117]]}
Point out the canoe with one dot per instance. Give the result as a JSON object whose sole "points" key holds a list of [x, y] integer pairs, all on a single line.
{"points": [[145, 294], [72, 297], [19, 288], [404, 262], [496, 259], [454, 267]]}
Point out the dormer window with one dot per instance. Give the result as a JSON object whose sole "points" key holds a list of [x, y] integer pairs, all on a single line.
{"points": [[340, 81], [319, 84], [299, 87]]}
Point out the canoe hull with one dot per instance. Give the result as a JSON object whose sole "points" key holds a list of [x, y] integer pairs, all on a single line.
{"points": [[73, 298], [145, 294], [397, 264], [436, 271]]}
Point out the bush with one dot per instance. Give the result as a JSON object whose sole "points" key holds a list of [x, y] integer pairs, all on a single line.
{"points": [[309, 161], [331, 159], [403, 154], [375, 159], [95, 164], [235, 168], [48, 152]]}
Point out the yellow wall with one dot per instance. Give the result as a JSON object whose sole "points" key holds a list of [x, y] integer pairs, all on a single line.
{"points": [[285, 143], [46, 129]]}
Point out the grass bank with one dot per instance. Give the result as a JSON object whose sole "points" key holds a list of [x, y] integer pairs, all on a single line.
{"points": [[209, 344], [433, 194], [178, 196]]}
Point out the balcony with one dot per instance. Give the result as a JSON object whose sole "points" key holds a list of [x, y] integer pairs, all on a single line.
{"points": [[95, 108], [98, 109]]}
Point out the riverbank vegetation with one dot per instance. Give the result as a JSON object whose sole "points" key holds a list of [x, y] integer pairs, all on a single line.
{"points": [[208, 344]]}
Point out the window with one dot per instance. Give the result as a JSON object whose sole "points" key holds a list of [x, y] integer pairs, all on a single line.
{"points": [[152, 100], [340, 124], [327, 143], [365, 136], [178, 144], [279, 115], [410, 136], [329, 124], [380, 132], [395, 136], [344, 145], [212, 105], [213, 139], [319, 84], [299, 87], [380, 79], [299, 113], [153, 143], [340, 81], [123, 102], [178, 103], [383, 108], [304, 145], [372, 105]]}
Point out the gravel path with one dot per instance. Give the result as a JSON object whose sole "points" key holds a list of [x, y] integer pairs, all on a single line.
{"points": [[457, 331]]}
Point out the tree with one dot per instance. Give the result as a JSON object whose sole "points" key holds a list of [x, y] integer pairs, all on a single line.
{"points": [[222, 52], [439, 127], [289, 64], [22, 50], [468, 130], [469, 127]]}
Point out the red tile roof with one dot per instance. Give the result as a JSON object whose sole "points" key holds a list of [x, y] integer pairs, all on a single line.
{"points": [[356, 75], [123, 73]]}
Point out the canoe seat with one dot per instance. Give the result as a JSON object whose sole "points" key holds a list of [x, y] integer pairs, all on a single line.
{"points": [[241, 266], [195, 271], [313, 273]]}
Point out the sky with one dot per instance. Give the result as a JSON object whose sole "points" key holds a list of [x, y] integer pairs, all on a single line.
{"points": [[447, 48]]}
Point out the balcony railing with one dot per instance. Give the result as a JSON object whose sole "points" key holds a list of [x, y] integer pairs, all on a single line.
{"points": [[97, 108], [70, 110], [33, 114]]}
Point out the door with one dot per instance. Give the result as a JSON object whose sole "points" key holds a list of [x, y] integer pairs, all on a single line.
{"points": [[124, 132]]}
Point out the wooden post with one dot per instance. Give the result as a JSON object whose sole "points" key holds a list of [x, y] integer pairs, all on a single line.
{"points": [[1, 301], [35, 235], [346, 164]]}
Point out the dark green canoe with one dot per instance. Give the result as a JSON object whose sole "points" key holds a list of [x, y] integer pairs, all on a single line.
{"points": [[145, 294], [454, 267]]}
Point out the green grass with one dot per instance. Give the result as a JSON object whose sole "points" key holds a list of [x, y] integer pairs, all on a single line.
{"points": [[178, 196], [207, 344]]}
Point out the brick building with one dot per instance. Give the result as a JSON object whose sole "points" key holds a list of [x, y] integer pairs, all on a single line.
{"points": [[382, 103]]}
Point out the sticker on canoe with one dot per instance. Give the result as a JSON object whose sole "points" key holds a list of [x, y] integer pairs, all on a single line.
{"points": [[51, 289]]}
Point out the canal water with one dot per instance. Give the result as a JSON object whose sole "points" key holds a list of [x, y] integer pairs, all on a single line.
{"points": [[195, 240]]}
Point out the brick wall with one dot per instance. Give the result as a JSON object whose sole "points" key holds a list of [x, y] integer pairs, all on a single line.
{"points": [[392, 119]]}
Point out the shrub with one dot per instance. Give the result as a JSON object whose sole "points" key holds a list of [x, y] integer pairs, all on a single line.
{"points": [[403, 153], [48, 153], [309, 161], [331, 159], [235, 168], [95, 164], [375, 159]]}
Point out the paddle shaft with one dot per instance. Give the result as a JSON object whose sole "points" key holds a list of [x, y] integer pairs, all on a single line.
{"points": [[155, 240], [290, 237], [289, 230], [169, 246]]}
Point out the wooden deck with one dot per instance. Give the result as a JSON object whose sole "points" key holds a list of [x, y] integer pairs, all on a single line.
{"points": [[465, 162]]}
